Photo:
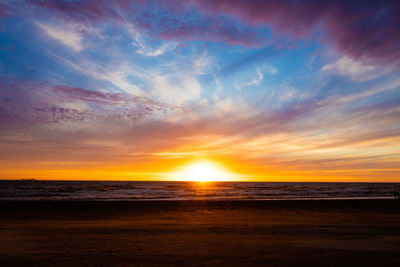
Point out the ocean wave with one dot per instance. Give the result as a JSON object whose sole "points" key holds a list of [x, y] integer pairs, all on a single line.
{"points": [[114, 190]]}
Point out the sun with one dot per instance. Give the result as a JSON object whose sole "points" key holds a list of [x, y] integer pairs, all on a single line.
{"points": [[203, 171]]}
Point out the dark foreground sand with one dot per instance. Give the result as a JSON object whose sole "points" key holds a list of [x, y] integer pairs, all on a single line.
{"points": [[201, 233]]}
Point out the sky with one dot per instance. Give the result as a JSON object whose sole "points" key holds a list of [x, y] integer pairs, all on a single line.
{"points": [[288, 90]]}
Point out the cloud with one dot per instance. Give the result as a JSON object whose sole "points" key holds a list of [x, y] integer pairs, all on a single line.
{"points": [[168, 20], [144, 48], [330, 132], [27, 104], [213, 29], [171, 82], [179, 84], [69, 94], [257, 81], [115, 72], [353, 69], [64, 35], [154, 52], [271, 70], [267, 68], [361, 29]]}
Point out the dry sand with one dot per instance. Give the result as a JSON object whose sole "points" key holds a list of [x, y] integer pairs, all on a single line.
{"points": [[201, 233]]}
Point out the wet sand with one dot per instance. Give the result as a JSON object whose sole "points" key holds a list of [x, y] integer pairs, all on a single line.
{"points": [[200, 233]]}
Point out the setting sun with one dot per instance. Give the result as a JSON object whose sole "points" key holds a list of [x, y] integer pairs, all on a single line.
{"points": [[203, 171]]}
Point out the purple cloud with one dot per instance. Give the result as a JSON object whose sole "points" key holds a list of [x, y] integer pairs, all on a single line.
{"points": [[174, 26], [367, 30], [25, 104], [165, 20]]}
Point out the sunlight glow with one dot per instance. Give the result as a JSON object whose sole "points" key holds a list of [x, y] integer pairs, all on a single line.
{"points": [[203, 171]]}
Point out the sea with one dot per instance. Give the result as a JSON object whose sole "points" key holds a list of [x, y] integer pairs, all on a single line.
{"points": [[144, 191]]}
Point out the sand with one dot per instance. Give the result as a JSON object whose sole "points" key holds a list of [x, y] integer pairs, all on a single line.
{"points": [[201, 233]]}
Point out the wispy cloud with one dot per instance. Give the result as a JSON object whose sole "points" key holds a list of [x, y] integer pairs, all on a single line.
{"points": [[64, 35], [353, 69], [150, 52], [272, 70], [258, 79]]}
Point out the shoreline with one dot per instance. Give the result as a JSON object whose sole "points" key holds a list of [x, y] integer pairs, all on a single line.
{"points": [[237, 203], [338, 199], [202, 199]]}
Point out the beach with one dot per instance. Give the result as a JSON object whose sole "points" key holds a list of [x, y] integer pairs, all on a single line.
{"points": [[200, 233]]}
